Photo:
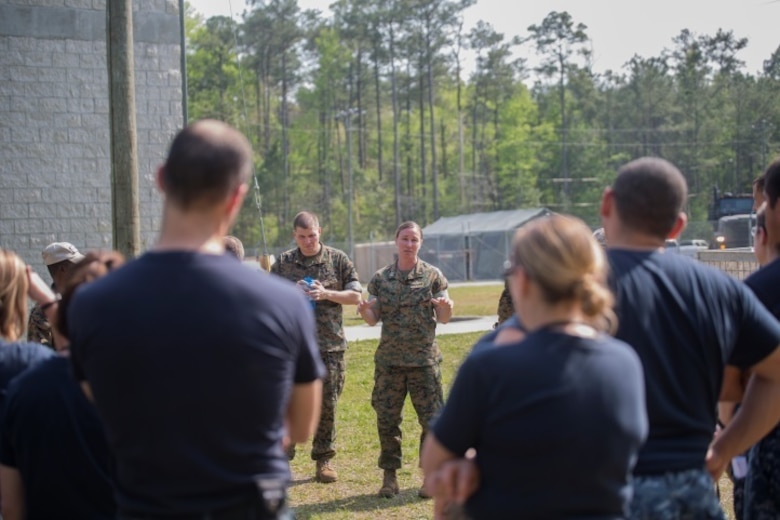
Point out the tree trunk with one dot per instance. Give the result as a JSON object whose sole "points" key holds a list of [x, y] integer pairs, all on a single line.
{"points": [[423, 155], [396, 157], [431, 115]]}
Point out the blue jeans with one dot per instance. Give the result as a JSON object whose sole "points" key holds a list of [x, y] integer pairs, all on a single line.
{"points": [[686, 495]]}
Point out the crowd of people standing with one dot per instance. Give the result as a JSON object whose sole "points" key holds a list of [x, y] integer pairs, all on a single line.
{"points": [[183, 381]]}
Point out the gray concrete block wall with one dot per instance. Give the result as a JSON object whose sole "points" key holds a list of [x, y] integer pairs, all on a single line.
{"points": [[55, 165]]}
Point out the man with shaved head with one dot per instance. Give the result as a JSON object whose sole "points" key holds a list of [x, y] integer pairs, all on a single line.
{"points": [[201, 370], [687, 322]]}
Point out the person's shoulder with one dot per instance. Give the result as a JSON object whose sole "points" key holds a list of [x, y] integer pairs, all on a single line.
{"points": [[384, 272], [334, 252], [430, 268], [765, 276], [287, 256], [24, 353], [612, 344], [41, 372]]}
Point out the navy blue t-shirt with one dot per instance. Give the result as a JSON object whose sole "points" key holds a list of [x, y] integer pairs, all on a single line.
{"points": [[686, 321], [557, 422], [53, 436], [765, 283], [486, 342], [191, 359], [17, 357]]}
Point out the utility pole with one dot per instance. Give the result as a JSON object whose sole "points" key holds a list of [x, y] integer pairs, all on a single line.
{"points": [[124, 148]]}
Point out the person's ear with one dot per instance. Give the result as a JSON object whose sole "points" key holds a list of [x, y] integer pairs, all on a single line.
{"points": [[607, 203], [236, 199], [761, 236], [159, 178], [679, 225]]}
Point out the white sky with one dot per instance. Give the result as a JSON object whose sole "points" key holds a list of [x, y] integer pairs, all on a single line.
{"points": [[618, 28]]}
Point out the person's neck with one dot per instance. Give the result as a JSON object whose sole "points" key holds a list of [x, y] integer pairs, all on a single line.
{"points": [[539, 316], [188, 231], [773, 254], [627, 239], [319, 250], [406, 264]]}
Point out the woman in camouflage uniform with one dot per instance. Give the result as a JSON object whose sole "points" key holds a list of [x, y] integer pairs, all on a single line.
{"points": [[408, 297]]}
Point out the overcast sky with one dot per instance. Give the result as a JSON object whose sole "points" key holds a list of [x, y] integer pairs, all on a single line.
{"points": [[618, 28]]}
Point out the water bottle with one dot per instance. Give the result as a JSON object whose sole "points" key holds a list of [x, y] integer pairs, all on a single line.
{"points": [[310, 284]]}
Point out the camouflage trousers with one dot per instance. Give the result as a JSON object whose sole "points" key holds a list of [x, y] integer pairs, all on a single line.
{"points": [[323, 444], [762, 483], [737, 493], [391, 384], [686, 495]]}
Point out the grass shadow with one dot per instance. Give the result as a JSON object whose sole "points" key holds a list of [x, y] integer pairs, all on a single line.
{"points": [[359, 503]]}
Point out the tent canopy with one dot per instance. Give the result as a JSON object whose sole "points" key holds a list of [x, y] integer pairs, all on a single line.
{"points": [[495, 221], [475, 246]]}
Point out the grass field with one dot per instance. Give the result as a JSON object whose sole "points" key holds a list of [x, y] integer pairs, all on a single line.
{"points": [[354, 496]]}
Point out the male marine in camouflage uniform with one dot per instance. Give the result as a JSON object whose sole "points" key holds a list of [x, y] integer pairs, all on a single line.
{"points": [[59, 257], [407, 360], [335, 284]]}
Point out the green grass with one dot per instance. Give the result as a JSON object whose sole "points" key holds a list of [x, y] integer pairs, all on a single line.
{"points": [[354, 496]]}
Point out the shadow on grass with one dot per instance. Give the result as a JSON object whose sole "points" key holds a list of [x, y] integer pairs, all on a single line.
{"points": [[299, 481], [359, 503]]}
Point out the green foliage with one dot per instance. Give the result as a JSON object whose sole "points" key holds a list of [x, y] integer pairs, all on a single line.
{"points": [[487, 143]]}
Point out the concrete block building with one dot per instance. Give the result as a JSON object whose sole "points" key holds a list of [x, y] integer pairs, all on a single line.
{"points": [[55, 169]]}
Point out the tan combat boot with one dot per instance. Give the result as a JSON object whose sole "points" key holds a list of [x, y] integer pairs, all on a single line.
{"points": [[389, 484], [325, 473]]}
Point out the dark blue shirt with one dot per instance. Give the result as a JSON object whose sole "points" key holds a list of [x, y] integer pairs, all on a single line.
{"points": [[52, 435], [686, 321], [556, 420], [765, 283], [17, 357], [191, 359], [487, 341]]}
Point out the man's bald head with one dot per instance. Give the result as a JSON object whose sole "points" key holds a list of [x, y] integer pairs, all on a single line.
{"points": [[206, 162], [649, 196]]}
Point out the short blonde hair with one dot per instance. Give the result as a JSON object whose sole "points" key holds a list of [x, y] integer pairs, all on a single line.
{"points": [[13, 295], [560, 254]]}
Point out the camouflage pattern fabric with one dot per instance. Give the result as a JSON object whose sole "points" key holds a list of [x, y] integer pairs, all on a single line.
{"points": [[39, 328], [335, 271], [323, 444], [675, 496], [761, 499], [408, 336], [737, 493], [391, 385], [505, 307]]}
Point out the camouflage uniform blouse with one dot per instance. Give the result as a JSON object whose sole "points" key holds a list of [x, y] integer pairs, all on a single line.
{"points": [[39, 328], [408, 319], [505, 306], [335, 271]]}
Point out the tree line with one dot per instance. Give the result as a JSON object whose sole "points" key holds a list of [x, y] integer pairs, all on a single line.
{"points": [[368, 108]]}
